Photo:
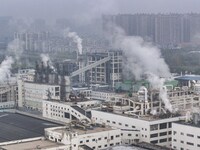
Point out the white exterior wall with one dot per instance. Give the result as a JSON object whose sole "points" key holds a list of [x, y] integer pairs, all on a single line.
{"points": [[35, 93], [138, 128], [56, 111], [96, 140], [105, 96], [182, 134], [5, 105]]}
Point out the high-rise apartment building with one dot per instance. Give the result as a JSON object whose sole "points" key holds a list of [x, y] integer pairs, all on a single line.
{"points": [[165, 30]]}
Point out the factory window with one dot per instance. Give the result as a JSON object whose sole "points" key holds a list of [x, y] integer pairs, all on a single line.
{"points": [[153, 127], [174, 132], [120, 124], [99, 139], [182, 141], [105, 138], [189, 143], [198, 145], [136, 135], [163, 133], [133, 126], [154, 142], [117, 135], [169, 124], [163, 140], [93, 139], [108, 121], [169, 139], [117, 143], [113, 122], [105, 145], [112, 137], [163, 125], [182, 148], [175, 140], [81, 141], [93, 147], [126, 125], [154, 135], [182, 133], [99, 146], [87, 140], [111, 144], [190, 135], [198, 137]]}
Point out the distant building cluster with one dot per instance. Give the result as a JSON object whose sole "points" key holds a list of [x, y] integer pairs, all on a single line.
{"points": [[165, 30]]}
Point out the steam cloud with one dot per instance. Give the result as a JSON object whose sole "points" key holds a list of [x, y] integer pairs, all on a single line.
{"points": [[5, 68], [47, 61], [144, 59], [74, 36], [16, 48]]}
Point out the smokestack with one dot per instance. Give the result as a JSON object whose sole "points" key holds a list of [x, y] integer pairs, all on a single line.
{"points": [[74, 36]]}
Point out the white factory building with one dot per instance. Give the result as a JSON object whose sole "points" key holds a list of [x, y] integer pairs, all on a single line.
{"points": [[186, 135], [94, 136], [31, 94], [137, 129], [64, 112]]}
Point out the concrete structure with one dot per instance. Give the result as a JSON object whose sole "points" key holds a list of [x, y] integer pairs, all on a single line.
{"points": [[186, 134], [64, 112], [34, 93], [94, 136], [109, 72], [134, 129], [32, 144]]}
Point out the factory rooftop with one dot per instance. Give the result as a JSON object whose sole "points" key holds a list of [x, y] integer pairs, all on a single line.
{"points": [[188, 77], [81, 131], [16, 127], [189, 123], [31, 145], [148, 117]]}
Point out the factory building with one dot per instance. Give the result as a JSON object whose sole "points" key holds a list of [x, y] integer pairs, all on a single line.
{"points": [[135, 129], [66, 112], [186, 134], [35, 93], [109, 72], [78, 134]]}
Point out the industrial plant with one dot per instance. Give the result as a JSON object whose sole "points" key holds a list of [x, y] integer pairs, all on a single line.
{"points": [[100, 79]]}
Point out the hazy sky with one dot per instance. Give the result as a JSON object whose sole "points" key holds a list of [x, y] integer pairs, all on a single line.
{"points": [[91, 8]]}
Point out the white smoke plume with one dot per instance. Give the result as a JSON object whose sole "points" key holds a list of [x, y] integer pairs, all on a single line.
{"points": [[153, 112], [5, 68], [144, 59], [47, 61], [16, 48], [74, 36]]}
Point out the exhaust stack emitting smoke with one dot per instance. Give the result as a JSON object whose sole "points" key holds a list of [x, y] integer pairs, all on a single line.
{"points": [[74, 36], [142, 58], [5, 68], [47, 61]]}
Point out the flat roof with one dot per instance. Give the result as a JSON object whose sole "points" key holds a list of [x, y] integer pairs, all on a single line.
{"points": [[32, 145], [189, 123], [15, 126], [146, 117], [188, 77], [81, 131]]}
